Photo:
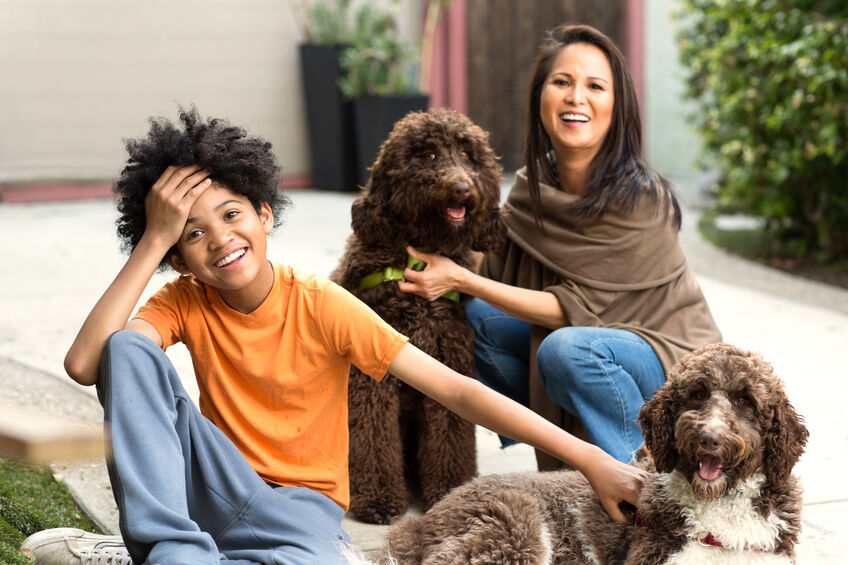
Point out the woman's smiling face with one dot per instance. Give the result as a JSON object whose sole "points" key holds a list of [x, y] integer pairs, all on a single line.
{"points": [[576, 101]]}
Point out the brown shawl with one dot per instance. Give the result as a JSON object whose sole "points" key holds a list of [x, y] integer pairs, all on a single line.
{"points": [[621, 270]]}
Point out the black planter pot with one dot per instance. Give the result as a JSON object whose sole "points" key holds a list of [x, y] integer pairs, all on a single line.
{"points": [[329, 117], [373, 119]]}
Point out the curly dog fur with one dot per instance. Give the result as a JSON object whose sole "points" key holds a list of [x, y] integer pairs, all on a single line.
{"points": [[723, 437], [435, 184]]}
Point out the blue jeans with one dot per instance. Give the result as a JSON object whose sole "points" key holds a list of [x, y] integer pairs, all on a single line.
{"points": [[602, 376], [185, 493]]}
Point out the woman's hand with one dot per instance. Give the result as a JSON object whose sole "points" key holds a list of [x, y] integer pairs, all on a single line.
{"points": [[438, 277], [441, 275], [614, 482], [169, 200]]}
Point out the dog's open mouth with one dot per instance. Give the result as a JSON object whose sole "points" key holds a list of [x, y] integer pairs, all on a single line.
{"points": [[456, 214], [711, 467]]}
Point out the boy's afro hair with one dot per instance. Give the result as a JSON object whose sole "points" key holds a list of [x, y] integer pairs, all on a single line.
{"points": [[243, 164]]}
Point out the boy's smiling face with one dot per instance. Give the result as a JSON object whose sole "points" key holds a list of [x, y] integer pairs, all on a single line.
{"points": [[224, 244]]}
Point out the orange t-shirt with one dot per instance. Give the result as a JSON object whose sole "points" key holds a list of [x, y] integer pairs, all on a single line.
{"points": [[275, 380]]}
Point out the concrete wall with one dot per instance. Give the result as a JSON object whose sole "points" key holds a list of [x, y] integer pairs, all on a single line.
{"points": [[77, 76], [671, 144]]}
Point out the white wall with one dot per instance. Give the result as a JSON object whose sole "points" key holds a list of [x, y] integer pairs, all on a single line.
{"points": [[671, 144], [78, 76]]}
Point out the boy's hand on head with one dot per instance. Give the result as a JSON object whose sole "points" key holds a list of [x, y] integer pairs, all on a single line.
{"points": [[170, 199], [166, 209]]}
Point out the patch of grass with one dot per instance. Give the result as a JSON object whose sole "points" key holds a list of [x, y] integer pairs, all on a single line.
{"points": [[757, 245], [749, 243], [32, 500]]}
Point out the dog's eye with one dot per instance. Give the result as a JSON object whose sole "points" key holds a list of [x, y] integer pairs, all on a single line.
{"points": [[430, 156], [464, 155], [741, 401], [700, 394]]}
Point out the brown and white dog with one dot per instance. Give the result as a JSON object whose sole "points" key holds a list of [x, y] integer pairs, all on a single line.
{"points": [[724, 439]]}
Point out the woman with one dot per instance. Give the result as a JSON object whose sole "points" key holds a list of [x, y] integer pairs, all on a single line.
{"points": [[591, 301]]}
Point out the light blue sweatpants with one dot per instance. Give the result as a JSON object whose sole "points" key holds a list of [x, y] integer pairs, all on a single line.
{"points": [[185, 493]]}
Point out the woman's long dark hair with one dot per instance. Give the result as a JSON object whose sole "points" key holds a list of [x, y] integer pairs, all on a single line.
{"points": [[617, 174]]}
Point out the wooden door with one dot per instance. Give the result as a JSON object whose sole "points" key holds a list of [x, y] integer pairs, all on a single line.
{"points": [[503, 37]]}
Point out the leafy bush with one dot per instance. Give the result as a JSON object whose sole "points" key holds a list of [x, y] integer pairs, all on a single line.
{"points": [[770, 79]]}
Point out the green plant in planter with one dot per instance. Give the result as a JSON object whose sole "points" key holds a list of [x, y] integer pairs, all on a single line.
{"points": [[378, 62], [326, 31], [323, 22]]}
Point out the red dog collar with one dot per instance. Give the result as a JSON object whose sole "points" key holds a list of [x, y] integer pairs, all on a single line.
{"points": [[708, 540]]}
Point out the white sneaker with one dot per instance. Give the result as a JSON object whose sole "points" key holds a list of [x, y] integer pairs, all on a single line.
{"points": [[72, 546]]}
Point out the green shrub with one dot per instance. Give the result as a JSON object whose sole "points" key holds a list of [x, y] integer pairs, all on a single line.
{"points": [[770, 79]]}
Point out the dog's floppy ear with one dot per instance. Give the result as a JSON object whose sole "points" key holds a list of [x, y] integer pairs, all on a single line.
{"points": [[491, 233], [785, 439], [368, 214], [657, 418]]}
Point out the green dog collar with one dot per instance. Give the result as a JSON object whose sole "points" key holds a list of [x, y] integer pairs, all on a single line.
{"points": [[387, 274], [396, 274]]}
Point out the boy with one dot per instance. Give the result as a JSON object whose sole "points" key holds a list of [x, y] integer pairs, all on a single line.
{"points": [[259, 473]]}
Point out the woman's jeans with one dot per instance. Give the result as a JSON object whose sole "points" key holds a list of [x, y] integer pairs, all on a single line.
{"points": [[185, 493], [602, 376]]}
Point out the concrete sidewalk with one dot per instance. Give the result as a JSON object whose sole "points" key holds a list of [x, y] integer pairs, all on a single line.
{"points": [[59, 257]]}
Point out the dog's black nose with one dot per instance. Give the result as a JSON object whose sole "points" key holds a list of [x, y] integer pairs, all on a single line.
{"points": [[710, 440], [460, 191]]}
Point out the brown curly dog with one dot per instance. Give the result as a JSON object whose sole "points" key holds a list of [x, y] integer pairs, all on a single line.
{"points": [[724, 439], [434, 185]]}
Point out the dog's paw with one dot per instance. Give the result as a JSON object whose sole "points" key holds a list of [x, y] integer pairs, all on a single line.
{"points": [[377, 512], [432, 495]]}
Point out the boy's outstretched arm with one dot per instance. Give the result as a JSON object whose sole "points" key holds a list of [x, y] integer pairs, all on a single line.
{"points": [[612, 480], [166, 209]]}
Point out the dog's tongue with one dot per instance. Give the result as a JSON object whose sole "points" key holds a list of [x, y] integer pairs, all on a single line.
{"points": [[457, 213], [710, 467]]}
